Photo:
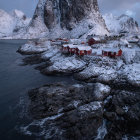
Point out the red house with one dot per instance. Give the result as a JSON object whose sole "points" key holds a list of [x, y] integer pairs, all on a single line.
{"points": [[112, 53], [91, 41], [83, 50], [119, 53], [76, 49], [72, 48]]}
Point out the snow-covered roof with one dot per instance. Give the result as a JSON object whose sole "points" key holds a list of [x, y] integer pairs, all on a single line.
{"points": [[66, 45], [87, 48], [111, 49], [72, 46], [80, 47]]}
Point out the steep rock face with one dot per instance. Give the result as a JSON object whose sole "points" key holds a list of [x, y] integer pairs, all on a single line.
{"points": [[37, 25], [68, 13], [69, 18], [122, 23]]}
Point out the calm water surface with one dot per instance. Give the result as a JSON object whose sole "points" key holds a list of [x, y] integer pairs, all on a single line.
{"points": [[15, 81]]}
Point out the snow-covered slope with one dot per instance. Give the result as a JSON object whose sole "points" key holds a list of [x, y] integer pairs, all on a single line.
{"points": [[12, 23], [21, 20], [7, 24], [121, 23], [37, 27]]}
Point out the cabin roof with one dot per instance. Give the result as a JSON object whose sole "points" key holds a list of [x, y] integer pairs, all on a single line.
{"points": [[111, 49], [72, 46], [87, 48]]}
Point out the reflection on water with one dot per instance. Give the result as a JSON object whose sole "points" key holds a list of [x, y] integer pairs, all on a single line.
{"points": [[15, 81]]}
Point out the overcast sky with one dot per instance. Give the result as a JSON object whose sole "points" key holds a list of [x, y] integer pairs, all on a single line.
{"points": [[27, 6], [117, 7]]}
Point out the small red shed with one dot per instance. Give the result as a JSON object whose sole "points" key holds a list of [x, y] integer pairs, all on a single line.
{"points": [[72, 48], [84, 50], [65, 48], [91, 41], [119, 53]]}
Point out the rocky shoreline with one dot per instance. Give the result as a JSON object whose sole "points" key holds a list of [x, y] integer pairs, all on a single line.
{"points": [[105, 92]]}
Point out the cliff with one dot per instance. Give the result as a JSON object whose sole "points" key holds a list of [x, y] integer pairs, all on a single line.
{"points": [[68, 18]]}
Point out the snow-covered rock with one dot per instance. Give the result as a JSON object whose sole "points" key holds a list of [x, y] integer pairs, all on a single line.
{"points": [[32, 48], [101, 91], [132, 73], [131, 56], [119, 24], [88, 68], [101, 70], [50, 53], [66, 65]]}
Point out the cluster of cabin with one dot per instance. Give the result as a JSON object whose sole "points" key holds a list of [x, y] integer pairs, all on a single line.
{"points": [[77, 49], [81, 48], [112, 53]]}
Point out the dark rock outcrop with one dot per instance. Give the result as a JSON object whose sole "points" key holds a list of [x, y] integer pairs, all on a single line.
{"points": [[67, 12], [80, 115], [123, 114]]}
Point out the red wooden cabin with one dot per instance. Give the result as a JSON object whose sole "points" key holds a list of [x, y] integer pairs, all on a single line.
{"points": [[72, 48], [75, 49], [91, 41], [86, 50], [119, 53], [112, 53]]}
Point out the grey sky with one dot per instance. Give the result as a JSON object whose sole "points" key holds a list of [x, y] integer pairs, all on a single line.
{"points": [[117, 7], [27, 6]]}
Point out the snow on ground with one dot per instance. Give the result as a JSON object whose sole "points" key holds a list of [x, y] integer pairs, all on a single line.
{"points": [[50, 53], [132, 73], [31, 47], [66, 64], [101, 69], [101, 91], [91, 107], [131, 55]]}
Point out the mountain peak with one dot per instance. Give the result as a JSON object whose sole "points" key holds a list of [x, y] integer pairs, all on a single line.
{"points": [[68, 18]]}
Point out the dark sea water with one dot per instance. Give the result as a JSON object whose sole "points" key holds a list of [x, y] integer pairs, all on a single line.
{"points": [[15, 81]]}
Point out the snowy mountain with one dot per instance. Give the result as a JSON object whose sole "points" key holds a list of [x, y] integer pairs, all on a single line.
{"points": [[7, 24], [71, 19], [12, 23], [64, 19], [122, 23], [21, 20]]}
